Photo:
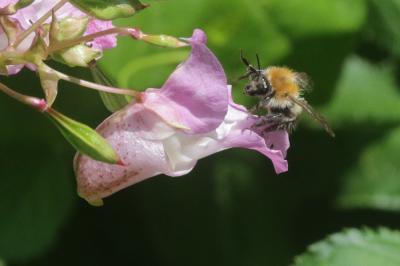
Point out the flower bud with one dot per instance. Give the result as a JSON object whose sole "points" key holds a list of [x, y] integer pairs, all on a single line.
{"points": [[109, 9], [67, 29], [159, 40], [83, 138]]}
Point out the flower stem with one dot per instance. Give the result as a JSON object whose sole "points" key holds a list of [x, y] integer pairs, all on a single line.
{"points": [[34, 102], [38, 23], [136, 33], [90, 37], [99, 87]]}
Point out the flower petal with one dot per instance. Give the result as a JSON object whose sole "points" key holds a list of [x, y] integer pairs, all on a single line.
{"points": [[30, 14], [196, 93], [104, 42], [184, 150], [143, 158]]}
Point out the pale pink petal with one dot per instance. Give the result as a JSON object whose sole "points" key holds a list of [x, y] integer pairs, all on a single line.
{"points": [[4, 3], [143, 157], [14, 69], [196, 93], [30, 14], [105, 42], [277, 140]]}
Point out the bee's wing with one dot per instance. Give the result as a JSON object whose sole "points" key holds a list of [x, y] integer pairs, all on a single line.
{"points": [[304, 81], [314, 114]]}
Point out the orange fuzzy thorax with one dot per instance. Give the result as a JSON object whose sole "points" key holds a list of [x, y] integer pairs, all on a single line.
{"points": [[283, 81]]}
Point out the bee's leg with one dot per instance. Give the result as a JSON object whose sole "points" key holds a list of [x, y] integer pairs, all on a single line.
{"points": [[281, 123], [263, 103], [255, 108], [289, 125], [268, 120], [274, 122]]}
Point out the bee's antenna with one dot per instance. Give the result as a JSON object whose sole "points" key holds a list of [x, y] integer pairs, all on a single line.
{"points": [[250, 68], [244, 60], [244, 76], [258, 62]]}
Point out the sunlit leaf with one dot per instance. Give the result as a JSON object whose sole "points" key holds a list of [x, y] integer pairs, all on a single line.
{"points": [[374, 181], [354, 247], [83, 138], [109, 9], [301, 18], [365, 93]]}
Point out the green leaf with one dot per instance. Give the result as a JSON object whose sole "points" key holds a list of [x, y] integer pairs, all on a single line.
{"points": [[109, 9], [361, 92], [36, 198], [373, 181], [355, 247], [301, 18], [113, 102], [83, 138], [2, 263], [382, 26]]}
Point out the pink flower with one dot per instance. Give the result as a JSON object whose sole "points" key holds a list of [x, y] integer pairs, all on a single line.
{"points": [[190, 117], [30, 14]]}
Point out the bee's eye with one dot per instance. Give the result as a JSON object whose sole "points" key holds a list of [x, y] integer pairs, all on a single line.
{"points": [[261, 87]]}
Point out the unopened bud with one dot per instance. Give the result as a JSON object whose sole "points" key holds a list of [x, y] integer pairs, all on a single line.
{"points": [[84, 139]]}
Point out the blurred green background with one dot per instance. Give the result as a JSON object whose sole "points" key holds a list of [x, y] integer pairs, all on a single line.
{"points": [[232, 209]]}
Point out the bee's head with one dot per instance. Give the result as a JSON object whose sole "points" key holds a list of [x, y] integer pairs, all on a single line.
{"points": [[259, 84]]}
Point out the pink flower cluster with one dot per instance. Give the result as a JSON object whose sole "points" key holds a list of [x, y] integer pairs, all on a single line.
{"points": [[25, 17], [169, 129]]}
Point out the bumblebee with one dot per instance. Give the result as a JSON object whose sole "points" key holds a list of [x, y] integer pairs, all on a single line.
{"points": [[280, 90]]}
